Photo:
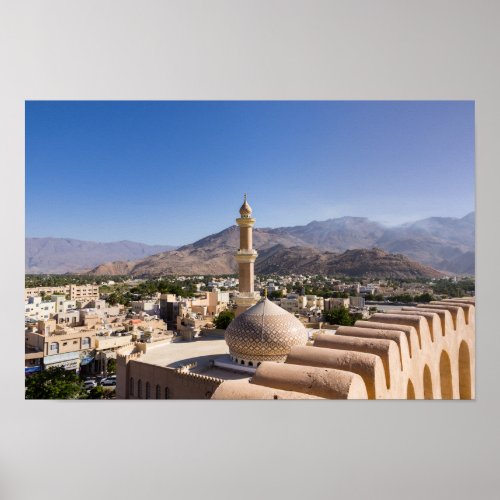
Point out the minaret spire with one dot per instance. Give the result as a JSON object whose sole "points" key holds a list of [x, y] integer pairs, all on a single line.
{"points": [[245, 256]]}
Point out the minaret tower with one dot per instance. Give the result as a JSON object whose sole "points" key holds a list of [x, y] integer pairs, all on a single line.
{"points": [[245, 257]]}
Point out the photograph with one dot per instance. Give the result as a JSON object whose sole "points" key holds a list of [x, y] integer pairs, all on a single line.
{"points": [[250, 250]]}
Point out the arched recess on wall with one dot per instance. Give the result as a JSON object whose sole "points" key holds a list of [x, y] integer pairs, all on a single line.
{"points": [[428, 392], [445, 376], [410, 390], [464, 374]]}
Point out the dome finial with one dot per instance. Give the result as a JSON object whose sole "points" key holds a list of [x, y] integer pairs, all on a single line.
{"points": [[246, 209]]}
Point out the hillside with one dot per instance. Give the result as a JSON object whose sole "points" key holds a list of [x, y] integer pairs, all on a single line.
{"points": [[281, 258], [372, 263], [211, 255]]}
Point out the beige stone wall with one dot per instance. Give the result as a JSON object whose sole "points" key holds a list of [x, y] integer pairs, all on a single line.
{"points": [[425, 352], [179, 385]]}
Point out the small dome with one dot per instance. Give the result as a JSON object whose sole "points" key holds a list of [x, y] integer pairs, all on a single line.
{"points": [[245, 209], [264, 332]]}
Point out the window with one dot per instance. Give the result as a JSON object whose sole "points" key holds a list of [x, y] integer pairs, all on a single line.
{"points": [[139, 389], [54, 347], [158, 392], [167, 393], [65, 343], [131, 386], [75, 341], [86, 342], [148, 390]]}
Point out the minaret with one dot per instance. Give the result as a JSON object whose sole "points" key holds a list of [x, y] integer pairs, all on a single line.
{"points": [[245, 257]]}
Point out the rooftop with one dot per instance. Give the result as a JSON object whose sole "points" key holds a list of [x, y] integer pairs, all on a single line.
{"points": [[200, 351]]}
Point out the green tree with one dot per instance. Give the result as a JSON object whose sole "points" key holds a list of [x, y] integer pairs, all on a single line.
{"points": [[97, 392], [340, 316], [223, 319], [55, 383], [111, 368], [424, 297]]}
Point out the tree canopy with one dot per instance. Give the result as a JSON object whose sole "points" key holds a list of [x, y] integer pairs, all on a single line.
{"points": [[341, 316], [222, 320], [55, 383]]}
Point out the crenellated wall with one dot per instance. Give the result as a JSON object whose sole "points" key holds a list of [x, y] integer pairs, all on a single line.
{"points": [[424, 352]]}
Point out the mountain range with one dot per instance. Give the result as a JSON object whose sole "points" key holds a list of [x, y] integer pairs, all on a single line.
{"points": [[334, 246], [61, 255]]}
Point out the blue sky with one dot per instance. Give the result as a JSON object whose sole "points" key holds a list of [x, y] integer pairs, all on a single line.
{"points": [[171, 172]]}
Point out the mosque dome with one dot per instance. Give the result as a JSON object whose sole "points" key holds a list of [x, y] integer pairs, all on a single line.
{"points": [[246, 209], [264, 332]]}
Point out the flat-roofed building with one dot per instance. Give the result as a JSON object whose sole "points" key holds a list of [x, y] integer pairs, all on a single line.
{"points": [[63, 346], [37, 309], [335, 302]]}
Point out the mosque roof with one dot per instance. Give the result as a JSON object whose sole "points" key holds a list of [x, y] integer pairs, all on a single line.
{"points": [[264, 332]]}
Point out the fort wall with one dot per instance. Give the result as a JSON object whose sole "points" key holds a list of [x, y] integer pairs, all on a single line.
{"points": [[424, 352]]}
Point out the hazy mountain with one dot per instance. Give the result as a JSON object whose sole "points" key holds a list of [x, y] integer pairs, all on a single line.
{"points": [[61, 255], [443, 243], [337, 235]]}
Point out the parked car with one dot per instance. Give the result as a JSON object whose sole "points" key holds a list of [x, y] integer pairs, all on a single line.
{"points": [[108, 382], [89, 384]]}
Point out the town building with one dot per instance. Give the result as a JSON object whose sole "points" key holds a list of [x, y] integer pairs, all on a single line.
{"points": [[66, 347], [38, 309], [335, 302], [75, 292]]}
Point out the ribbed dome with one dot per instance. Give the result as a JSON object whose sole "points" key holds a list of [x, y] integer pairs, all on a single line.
{"points": [[265, 332]]}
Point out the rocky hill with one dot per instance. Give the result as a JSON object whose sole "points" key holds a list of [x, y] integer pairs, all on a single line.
{"points": [[211, 255], [364, 263]]}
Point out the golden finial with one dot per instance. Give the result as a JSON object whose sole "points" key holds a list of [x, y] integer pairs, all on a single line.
{"points": [[245, 210]]}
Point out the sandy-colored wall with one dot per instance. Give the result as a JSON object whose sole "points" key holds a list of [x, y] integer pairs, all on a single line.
{"points": [[180, 385], [425, 352]]}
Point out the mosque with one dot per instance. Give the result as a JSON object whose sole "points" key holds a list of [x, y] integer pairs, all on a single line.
{"points": [[424, 352], [261, 331]]}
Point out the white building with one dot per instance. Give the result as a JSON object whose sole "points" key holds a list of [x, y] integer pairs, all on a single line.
{"points": [[36, 309]]}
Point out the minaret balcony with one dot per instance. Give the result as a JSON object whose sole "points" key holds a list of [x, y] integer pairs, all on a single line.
{"points": [[245, 221], [246, 255]]}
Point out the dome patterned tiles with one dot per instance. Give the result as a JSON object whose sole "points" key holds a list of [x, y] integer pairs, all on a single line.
{"points": [[265, 332]]}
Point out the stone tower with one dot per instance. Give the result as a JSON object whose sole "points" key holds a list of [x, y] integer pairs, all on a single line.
{"points": [[245, 256]]}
